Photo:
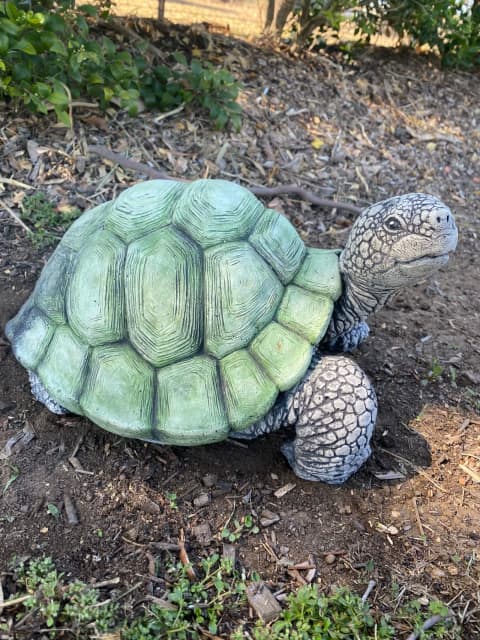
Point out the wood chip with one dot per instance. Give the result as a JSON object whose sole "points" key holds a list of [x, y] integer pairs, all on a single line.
{"points": [[389, 475], [263, 602], [202, 533], [149, 506], [473, 474], [184, 559], [209, 480], [202, 500], [279, 493], [268, 518], [70, 509]]}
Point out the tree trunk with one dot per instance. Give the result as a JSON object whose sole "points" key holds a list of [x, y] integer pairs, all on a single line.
{"points": [[270, 14], [282, 15], [308, 28]]}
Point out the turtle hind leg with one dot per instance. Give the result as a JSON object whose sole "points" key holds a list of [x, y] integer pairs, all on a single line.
{"points": [[336, 418], [41, 394]]}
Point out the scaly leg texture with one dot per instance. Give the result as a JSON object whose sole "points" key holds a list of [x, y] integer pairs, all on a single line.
{"points": [[41, 394], [334, 409], [336, 414]]}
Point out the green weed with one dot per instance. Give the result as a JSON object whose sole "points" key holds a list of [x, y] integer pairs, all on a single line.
{"points": [[45, 220], [434, 373], [207, 603], [54, 604], [245, 525]]}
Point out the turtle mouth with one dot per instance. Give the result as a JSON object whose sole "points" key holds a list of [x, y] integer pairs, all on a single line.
{"points": [[434, 260]]}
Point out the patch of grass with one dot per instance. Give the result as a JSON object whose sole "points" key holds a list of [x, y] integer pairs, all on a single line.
{"points": [[211, 602], [56, 605], [192, 609], [46, 221]]}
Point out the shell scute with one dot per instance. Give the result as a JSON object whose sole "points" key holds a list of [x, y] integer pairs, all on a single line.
{"points": [[277, 241], [65, 383], [214, 211], [164, 312], [320, 273], [95, 294], [189, 404], [143, 208], [30, 333], [118, 392], [249, 392], [85, 227], [283, 354], [242, 294], [306, 313], [51, 287]]}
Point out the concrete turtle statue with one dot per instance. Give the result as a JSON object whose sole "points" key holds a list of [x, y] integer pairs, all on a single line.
{"points": [[184, 314]]}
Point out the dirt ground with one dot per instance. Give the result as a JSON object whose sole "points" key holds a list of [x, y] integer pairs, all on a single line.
{"points": [[359, 131]]}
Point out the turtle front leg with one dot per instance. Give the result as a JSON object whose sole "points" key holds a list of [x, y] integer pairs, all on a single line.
{"points": [[336, 414]]}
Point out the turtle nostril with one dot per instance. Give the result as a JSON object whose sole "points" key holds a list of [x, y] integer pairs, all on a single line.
{"points": [[439, 219], [448, 218]]}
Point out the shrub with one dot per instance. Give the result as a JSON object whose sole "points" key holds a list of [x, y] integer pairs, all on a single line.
{"points": [[449, 27], [50, 56]]}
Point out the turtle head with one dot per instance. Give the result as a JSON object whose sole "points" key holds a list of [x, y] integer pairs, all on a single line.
{"points": [[398, 242]]}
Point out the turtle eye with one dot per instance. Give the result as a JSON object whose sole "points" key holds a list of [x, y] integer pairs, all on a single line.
{"points": [[393, 224]]}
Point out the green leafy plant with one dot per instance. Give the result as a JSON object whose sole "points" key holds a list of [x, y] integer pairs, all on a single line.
{"points": [[14, 473], [245, 525], [205, 603], [414, 614], [193, 83], [49, 56], [309, 614], [172, 500], [74, 605], [192, 609], [449, 27], [45, 219], [434, 373]]}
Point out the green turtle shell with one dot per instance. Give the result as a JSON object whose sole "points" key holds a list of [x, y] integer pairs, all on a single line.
{"points": [[176, 313]]}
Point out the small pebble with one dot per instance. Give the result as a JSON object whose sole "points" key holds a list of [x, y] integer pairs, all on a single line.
{"points": [[209, 480], [202, 500], [329, 558]]}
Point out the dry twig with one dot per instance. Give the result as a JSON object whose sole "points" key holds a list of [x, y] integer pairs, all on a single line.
{"points": [[15, 217], [184, 559], [417, 516], [370, 587]]}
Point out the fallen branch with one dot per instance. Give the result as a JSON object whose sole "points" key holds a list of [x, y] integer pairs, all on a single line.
{"points": [[123, 161], [267, 192]]}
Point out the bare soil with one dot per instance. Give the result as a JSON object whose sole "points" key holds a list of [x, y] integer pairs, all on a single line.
{"points": [[385, 124]]}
